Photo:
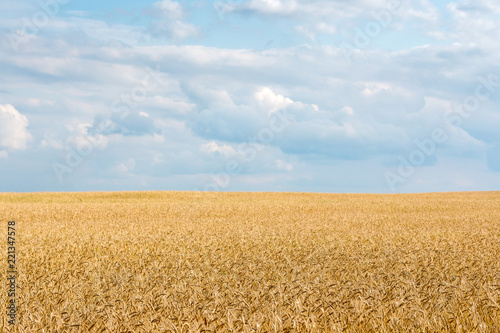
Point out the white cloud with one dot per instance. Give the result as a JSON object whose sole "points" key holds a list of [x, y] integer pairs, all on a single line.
{"points": [[126, 166], [13, 128], [272, 101], [326, 28], [274, 6], [213, 147], [176, 104], [311, 30], [51, 141], [102, 31], [305, 31], [475, 23], [158, 158], [313, 8], [170, 23], [282, 165], [373, 88], [347, 110], [174, 30], [168, 9]]}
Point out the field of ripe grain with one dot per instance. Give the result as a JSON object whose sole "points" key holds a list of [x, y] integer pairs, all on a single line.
{"points": [[263, 262]]}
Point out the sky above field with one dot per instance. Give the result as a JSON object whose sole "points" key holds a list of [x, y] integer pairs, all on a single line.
{"points": [[250, 95]]}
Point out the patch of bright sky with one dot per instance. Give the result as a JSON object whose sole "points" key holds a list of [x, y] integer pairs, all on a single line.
{"points": [[244, 31], [107, 7], [250, 32], [399, 35]]}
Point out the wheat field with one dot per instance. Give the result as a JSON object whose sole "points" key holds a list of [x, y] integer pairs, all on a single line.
{"points": [[255, 262]]}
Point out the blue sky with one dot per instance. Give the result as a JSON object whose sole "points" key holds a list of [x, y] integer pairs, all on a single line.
{"points": [[250, 95]]}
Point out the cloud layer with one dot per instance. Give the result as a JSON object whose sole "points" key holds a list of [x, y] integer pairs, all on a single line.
{"points": [[14, 134], [282, 95]]}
